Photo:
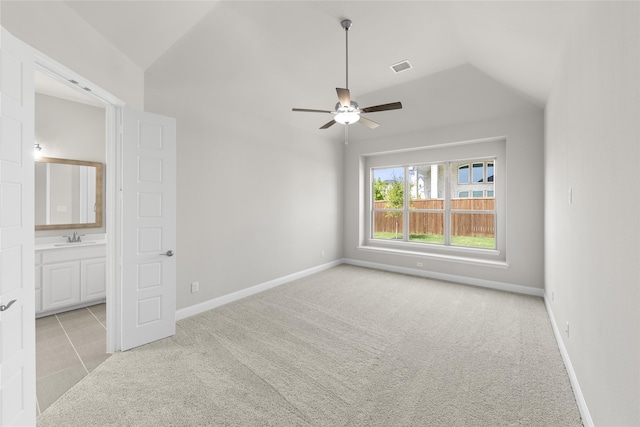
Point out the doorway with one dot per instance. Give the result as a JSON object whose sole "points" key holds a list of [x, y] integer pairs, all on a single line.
{"points": [[70, 134], [137, 314]]}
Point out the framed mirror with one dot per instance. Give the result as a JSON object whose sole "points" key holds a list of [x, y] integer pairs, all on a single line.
{"points": [[68, 194]]}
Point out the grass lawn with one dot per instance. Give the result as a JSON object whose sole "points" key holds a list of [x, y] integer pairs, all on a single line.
{"points": [[474, 242]]}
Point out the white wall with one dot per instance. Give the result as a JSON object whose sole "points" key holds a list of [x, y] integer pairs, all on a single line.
{"points": [[476, 107], [59, 32], [70, 130], [258, 199], [592, 245]]}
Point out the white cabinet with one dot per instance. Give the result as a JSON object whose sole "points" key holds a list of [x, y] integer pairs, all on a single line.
{"points": [[93, 279], [70, 277], [60, 285]]}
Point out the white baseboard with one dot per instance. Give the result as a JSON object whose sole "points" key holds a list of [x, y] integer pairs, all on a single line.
{"points": [[225, 299], [450, 278], [582, 404], [234, 296]]}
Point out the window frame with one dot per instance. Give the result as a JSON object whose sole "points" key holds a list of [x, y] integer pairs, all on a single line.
{"points": [[489, 151]]}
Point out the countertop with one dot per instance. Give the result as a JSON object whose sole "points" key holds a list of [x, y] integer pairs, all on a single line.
{"points": [[59, 242]]}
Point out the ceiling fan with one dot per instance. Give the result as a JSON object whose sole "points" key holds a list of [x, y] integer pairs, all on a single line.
{"points": [[347, 111]]}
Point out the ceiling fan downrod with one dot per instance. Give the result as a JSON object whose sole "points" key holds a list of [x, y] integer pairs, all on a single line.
{"points": [[346, 24]]}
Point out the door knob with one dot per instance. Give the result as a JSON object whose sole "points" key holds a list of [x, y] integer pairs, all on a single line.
{"points": [[6, 307], [169, 253]]}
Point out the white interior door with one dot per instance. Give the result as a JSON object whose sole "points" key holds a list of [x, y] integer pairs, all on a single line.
{"points": [[149, 228], [17, 294]]}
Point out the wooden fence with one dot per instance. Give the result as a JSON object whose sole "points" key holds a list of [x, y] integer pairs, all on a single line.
{"points": [[462, 224]]}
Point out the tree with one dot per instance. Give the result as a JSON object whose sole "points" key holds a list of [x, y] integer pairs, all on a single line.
{"points": [[394, 197], [379, 189]]}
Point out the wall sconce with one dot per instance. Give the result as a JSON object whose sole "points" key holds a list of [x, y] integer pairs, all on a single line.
{"points": [[37, 151]]}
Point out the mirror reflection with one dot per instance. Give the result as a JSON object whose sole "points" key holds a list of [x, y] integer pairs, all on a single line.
{"points": [[68, 194]]}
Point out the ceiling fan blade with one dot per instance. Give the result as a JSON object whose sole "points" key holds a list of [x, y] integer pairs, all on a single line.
{"points": [[344, 96], [368, 123], [307, 110], [383, 107], [328, 125]]}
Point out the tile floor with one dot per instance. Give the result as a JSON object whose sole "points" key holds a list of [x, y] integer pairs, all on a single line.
{"points": [[68, 346]]}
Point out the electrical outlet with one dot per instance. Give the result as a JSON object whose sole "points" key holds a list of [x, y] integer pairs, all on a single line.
{"points": [[419, 264], [322, 254], [195, 287], [570, 196], [566, 329], [553, 296]]}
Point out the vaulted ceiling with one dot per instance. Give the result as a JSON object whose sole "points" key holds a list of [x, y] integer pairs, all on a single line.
{"points": [[516, 43]]}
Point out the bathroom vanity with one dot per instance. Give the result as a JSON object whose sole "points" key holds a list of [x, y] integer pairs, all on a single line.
{"points": [[69, 275], [69, 272]]}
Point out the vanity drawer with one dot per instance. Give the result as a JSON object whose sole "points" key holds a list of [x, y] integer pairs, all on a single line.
{"points": [[73, 254]]}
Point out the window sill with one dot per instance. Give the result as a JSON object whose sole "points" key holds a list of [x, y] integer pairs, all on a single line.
{"points": [[482, 257]]}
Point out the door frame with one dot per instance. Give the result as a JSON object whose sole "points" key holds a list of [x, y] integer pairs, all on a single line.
{"points": [[113, 181]]}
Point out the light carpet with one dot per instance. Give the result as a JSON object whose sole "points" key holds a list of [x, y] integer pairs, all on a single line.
{"points": [[345, 347]]}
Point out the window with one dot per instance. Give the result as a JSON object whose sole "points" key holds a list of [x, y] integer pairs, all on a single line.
{"points": [[408, 207], [426, 211], [431, 202], [478, 172], [490, 172], [463, 174], [388, 203]]}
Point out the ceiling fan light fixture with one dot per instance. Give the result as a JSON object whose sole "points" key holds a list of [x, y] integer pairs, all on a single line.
{"points": [[347, 117]]}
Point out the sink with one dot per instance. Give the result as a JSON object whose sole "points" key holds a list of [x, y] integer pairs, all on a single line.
{"points": [[74, 243]]}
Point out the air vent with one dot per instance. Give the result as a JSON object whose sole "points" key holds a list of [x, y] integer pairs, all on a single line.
{"points": [[401, 66]]}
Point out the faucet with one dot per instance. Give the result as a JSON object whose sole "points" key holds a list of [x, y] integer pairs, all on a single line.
{"points": [[73, 239]]}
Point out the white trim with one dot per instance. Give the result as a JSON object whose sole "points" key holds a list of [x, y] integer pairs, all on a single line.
{"points": [[490, 284], [441, 145], [192, 310], [64, 75], [112, 105], [575, 385], [449, 155], [114, 229], [442, 257]]}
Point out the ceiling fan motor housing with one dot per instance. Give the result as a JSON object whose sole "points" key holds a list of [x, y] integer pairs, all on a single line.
{"points": [[353, 107]]}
